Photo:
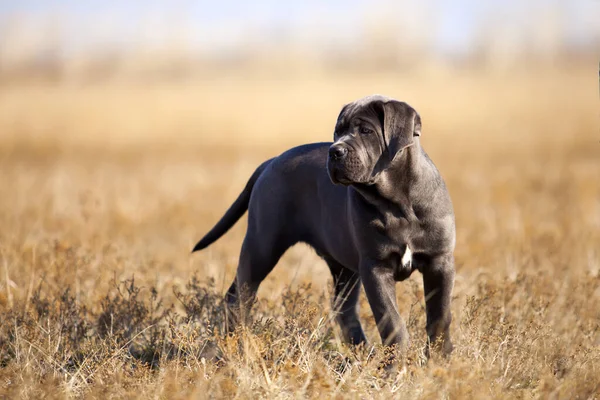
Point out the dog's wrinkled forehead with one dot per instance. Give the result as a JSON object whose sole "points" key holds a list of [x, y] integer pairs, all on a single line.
{"points": [[361, 106]]}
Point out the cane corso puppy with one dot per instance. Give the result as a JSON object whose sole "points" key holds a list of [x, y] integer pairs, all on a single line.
{"points": [[372, 205]]}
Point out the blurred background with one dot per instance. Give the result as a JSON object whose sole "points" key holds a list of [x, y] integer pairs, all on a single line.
{"points": [[101, 40], [156, 69]]}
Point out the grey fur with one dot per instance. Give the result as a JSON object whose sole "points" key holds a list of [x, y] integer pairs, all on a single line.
{"points": [[373, 206]]}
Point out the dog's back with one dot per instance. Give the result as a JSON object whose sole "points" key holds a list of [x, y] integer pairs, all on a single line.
{"points": [[295, 196]]}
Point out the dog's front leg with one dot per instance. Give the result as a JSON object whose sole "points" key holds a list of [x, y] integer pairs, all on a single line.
{"points": [[380, 288], [438, 281]]}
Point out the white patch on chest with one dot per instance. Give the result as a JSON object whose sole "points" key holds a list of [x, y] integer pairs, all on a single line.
{"points": [[407, 257]]}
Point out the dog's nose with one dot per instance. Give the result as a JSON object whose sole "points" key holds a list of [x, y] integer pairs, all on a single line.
{"points": [[337, 152]]}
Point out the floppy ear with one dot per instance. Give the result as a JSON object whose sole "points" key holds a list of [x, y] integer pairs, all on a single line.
{"points": [[401, 124]]}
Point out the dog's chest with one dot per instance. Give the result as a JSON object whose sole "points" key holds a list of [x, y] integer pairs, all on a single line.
{"points": [[391, 232], [393, 245], [384, 233], [397, 226]]}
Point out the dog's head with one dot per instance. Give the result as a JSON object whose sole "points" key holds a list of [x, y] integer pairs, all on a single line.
{"points": [[369, 134]]}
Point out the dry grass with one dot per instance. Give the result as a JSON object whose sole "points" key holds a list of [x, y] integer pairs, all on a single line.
{"points": [[106, 188]]}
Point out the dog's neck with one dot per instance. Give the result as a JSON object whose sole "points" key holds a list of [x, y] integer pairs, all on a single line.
{"points": [[396, 184]]}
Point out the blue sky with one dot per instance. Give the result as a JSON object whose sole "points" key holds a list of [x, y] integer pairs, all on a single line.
{"points": [[453, 25]]}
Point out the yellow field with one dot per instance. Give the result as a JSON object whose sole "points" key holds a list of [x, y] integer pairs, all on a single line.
{"points": [[106, 188]]}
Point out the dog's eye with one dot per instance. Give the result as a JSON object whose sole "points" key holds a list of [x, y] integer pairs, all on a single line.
{"points": [[365, 131]]}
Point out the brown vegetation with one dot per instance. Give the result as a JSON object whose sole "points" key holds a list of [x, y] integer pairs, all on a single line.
{"points": [[105, 188]]}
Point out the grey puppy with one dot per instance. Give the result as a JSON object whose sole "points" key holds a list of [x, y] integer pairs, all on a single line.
{"points": [[372, 205]]}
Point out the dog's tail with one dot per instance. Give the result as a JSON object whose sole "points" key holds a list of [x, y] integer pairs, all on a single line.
{"points": [[235, 212]]}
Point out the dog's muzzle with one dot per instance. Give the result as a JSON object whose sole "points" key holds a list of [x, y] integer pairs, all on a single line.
{"points": [[338, 156], [337, 152]]}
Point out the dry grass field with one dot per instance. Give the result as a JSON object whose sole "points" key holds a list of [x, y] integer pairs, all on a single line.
{"points": [[104, 189]]}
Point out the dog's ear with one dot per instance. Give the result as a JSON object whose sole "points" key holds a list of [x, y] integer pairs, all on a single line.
{"points": [[401, 123]]}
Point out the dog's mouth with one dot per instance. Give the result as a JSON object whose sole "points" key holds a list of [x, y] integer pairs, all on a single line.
{"points": [[337, 176], [339, 179]]}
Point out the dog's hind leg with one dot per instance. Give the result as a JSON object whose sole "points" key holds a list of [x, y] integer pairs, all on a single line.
{"points": [[345, 303], [258, 257]]}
